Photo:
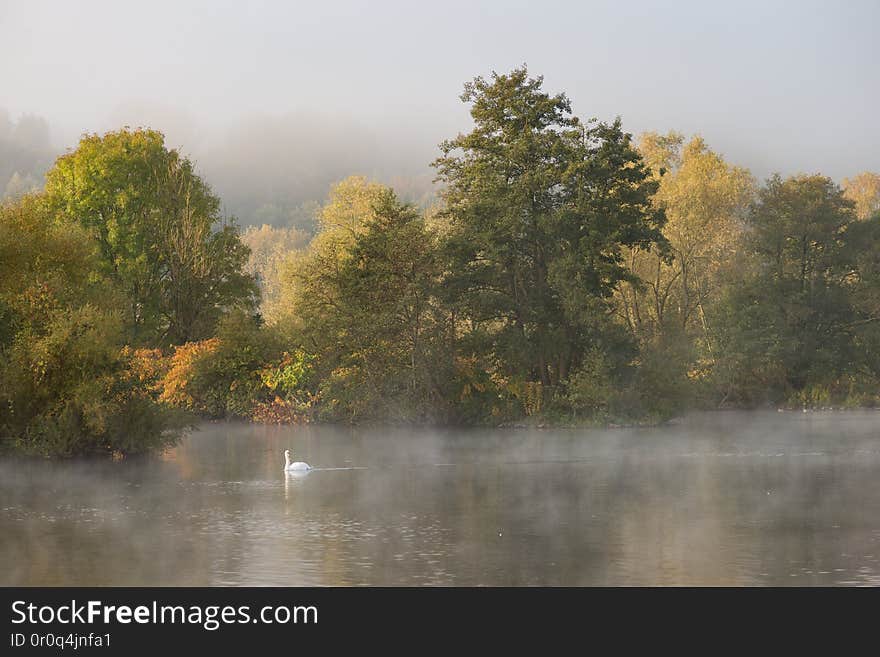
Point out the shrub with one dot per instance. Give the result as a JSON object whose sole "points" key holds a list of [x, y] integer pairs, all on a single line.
{"points": [[68, 389], [591, 390], [241, 373]]}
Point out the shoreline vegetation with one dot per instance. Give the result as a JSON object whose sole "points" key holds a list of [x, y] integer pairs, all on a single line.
{"points": [[568, 275]]}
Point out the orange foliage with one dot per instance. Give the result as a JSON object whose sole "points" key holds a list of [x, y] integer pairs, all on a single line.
{"points": [[149, 367], [174, 383]]}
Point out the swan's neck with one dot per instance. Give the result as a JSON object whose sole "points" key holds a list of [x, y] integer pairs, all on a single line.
{"points": [[286, 459]]}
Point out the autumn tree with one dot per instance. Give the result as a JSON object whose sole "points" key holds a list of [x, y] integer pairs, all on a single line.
{"points": [[160, 232], [309, 278], [864, 191], [66, 383], [705, 200], [269, 249]]}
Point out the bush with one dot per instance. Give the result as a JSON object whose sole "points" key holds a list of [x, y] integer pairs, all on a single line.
{"points": [[69, 389], [591, 390], [242, 373], [285, 382], [178, 385]]}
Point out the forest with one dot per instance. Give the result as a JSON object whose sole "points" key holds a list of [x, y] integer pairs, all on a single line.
{"points": [[567, 273]]}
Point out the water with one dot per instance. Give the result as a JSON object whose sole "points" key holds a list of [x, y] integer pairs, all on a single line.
{"points": [[718, 499]]}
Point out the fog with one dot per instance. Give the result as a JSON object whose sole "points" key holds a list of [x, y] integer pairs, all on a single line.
{"points": [[721, 498], [277, 100], [269, 168]]}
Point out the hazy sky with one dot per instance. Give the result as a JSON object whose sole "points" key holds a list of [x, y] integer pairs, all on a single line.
{"points": [[790, 86]]}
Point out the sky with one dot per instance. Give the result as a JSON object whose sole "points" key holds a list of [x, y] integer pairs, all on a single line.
{"points": [[775, 86]]}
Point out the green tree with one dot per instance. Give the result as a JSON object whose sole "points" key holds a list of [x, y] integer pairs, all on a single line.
{"points": [[786, 321], [863, 284], [394, 327], [160, 232], [309, 279], [539, 206], [362, 298]]}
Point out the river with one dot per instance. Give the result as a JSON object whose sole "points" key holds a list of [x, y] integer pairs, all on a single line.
{"points": [[728, 498]]}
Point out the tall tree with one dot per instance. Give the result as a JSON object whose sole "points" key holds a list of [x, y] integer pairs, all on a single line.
{"points": [[362, 299], [705, 200], [393, 324], [160, 231], [310, 278], [788, 318], [539, 205]]}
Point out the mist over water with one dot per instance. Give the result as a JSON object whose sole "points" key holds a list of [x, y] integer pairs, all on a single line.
{"points": [[722, 498]]}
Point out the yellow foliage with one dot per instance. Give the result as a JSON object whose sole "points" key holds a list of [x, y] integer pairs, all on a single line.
{"points": [[705, 200], [530, 394], [306, 276], [864, 191], [270, 248]]}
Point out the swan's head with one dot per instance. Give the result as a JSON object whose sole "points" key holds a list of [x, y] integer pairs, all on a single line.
{"points": [[287, 453]]}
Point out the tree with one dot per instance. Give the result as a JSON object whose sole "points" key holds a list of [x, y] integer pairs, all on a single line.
{"points": [[161, 236], [394, 326], [66, 384], [864, 191], [539, 206], [309, 278], [786, 322], [269, 247], [362, 299], [705, 201]]}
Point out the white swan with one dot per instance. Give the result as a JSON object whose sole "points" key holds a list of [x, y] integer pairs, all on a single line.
{"points": [[295, 466]]}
